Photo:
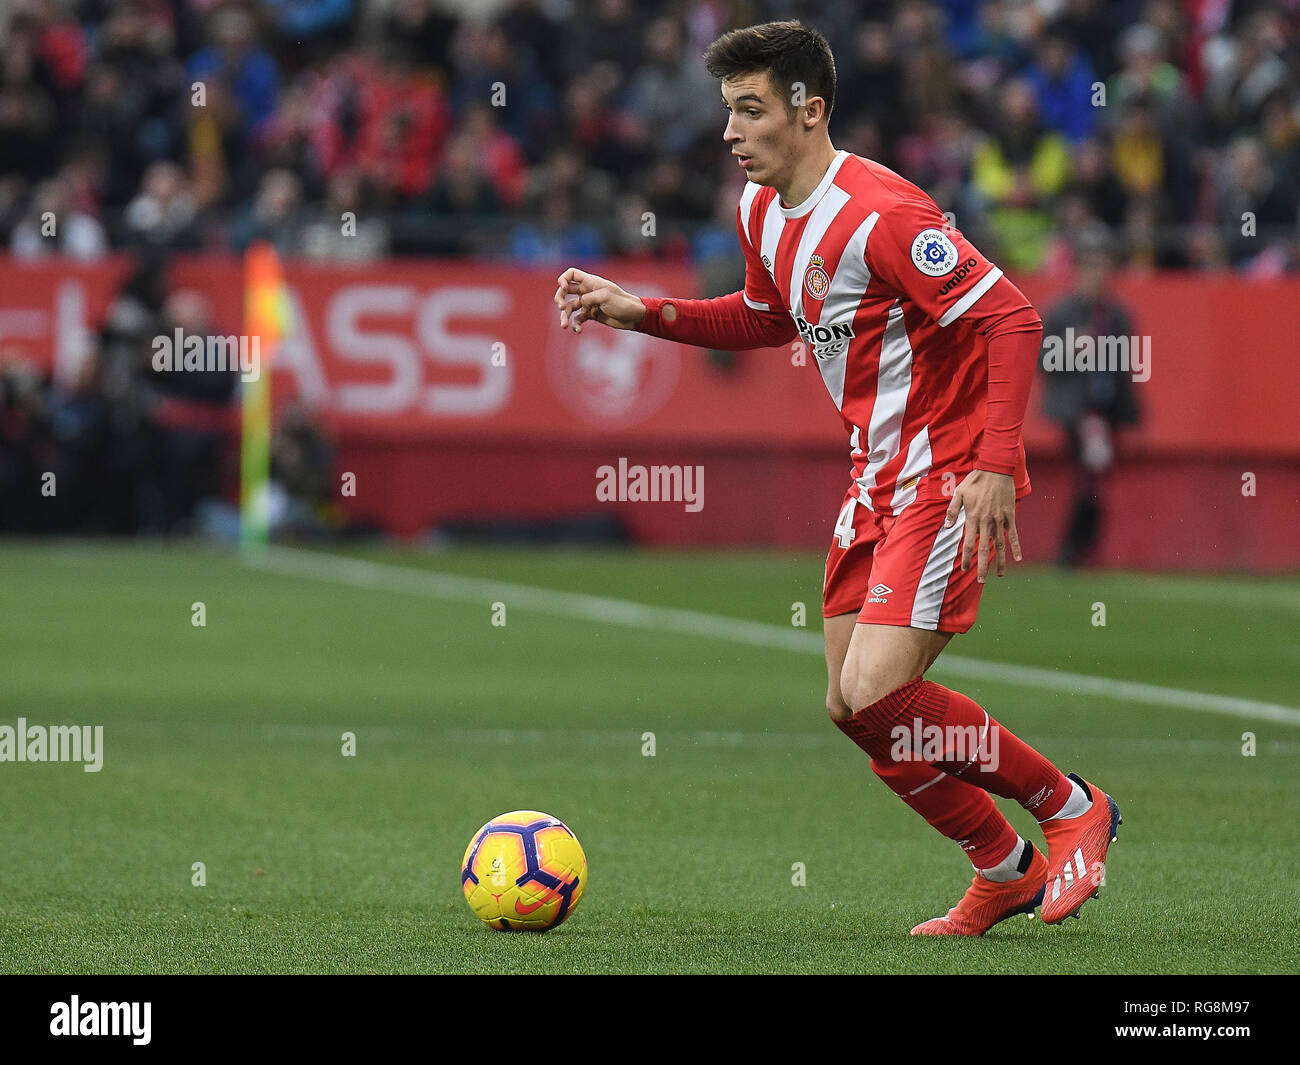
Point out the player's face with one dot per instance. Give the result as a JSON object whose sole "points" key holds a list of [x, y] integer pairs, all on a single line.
{"points": [[761, 130]]}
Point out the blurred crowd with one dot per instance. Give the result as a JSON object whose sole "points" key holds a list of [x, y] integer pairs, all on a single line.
{"points": [[126, 448], [542, 130]]}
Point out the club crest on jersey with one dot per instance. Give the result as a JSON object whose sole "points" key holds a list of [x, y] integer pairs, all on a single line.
{"points": [[816, 281], [933, 253]]}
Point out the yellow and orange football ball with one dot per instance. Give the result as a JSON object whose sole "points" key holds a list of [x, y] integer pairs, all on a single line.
{"points": [[523, 872]]}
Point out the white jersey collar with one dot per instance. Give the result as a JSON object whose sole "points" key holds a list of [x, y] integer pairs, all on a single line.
{"points": [[815, 196]]}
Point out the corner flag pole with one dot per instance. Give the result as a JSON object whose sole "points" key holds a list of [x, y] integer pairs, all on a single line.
{"points": [[266, 323]]}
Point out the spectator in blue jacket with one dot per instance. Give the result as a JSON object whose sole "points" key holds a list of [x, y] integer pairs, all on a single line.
{"points": [[1063, 81], [250, 74]]}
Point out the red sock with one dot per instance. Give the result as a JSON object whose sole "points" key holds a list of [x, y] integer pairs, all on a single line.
{"points": [[967, 743], [958, 810]]}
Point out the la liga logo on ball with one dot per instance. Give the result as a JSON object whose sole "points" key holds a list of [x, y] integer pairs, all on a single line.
{"points": [[933, 252], [524, 871], [816, 281]]}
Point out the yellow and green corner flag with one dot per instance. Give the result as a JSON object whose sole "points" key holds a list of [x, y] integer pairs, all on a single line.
{"points": [[268, 318]]}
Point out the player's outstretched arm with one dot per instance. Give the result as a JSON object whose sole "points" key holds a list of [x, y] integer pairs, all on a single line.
{"points": [[724, 322], [589, 297]]}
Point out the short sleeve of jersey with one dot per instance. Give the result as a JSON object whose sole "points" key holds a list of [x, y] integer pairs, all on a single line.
{"points": [[761, 293], [914, 252]]}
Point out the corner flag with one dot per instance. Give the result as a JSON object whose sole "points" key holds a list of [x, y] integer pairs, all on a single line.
{"points": [[267, 320]]}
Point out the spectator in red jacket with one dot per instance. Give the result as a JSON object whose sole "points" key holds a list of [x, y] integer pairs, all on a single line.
{"points": [[403, 121]]}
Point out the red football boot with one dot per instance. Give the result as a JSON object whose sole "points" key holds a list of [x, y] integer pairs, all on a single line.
{"points": [[1076, 854], [987, 902]]}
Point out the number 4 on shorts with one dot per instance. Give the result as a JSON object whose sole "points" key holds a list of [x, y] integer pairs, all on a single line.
{"points": [[844, 524]]}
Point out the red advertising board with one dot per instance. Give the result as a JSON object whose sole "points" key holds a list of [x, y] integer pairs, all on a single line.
{"points": [[452, 392], [421, 349], [437, 349]]}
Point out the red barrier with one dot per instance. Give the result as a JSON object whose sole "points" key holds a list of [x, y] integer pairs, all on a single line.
{"points": [[452, 390]]}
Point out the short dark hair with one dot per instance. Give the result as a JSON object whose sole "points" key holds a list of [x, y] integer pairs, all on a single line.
{"points": [[790, 52]]}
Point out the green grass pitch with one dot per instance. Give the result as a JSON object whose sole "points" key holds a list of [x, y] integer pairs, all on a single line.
{"points": [[222, 745]]}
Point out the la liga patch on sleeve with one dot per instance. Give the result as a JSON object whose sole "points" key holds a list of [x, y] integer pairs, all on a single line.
{"points": [[933, 252]]}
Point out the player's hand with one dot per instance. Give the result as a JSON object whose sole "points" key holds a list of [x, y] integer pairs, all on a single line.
{"points": [[990, 503], [583, 296]]}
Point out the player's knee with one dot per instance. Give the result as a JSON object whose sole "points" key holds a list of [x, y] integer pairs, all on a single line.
{"points": [[861, 686], [836, 706]]}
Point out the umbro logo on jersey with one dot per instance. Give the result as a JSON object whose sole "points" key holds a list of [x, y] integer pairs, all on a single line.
{"points": [[822, 334], [957, 276]]}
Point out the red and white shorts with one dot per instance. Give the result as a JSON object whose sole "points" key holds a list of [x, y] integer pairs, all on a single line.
{"points": [[902, 569]]}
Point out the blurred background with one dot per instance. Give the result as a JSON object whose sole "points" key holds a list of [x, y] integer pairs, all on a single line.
{"points": [[425, 168], [322, 725]]}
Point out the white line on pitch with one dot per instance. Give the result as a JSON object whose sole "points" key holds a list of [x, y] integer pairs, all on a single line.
{"points": [[361, 573], [412, 736]]}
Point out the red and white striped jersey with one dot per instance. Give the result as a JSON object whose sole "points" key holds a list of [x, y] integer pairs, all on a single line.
{"points": [[878, 283]]}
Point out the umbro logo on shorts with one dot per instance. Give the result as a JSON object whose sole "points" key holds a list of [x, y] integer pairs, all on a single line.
{"points": [[880, 594]]}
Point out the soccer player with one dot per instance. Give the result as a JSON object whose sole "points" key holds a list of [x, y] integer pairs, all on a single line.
{"points": [[928, 352]]}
